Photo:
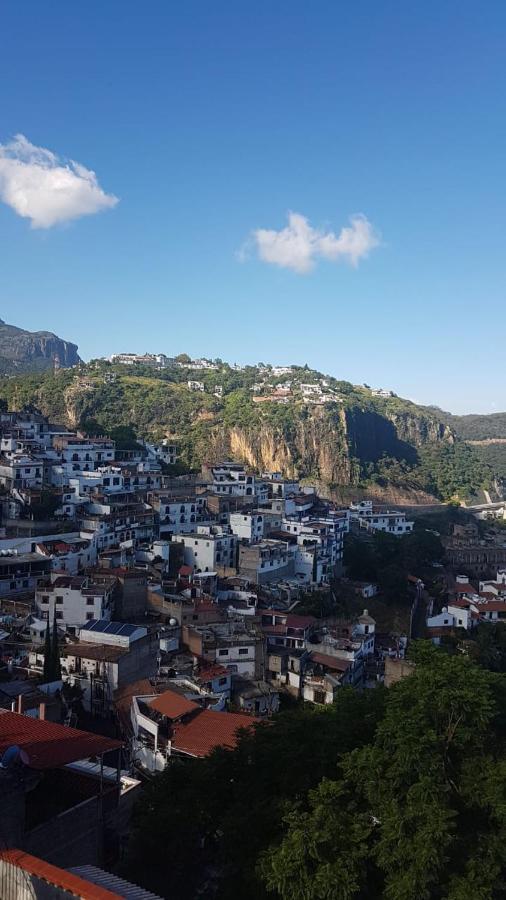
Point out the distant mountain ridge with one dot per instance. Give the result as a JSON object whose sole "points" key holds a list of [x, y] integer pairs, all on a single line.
{"points": [[33, 351], [475, 426]]}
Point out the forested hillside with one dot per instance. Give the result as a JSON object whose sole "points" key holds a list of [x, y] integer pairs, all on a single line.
{"points": [[353, 438]]}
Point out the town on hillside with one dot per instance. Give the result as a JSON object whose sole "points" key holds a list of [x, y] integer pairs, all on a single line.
{"points": [[147, 619]]}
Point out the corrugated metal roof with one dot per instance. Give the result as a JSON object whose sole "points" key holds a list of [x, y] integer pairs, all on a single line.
{"points": [[113, 883]]}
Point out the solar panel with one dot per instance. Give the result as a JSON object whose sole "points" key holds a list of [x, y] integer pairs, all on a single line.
{"points": [[128, 630], [114, 628], [100, 625], [89, 625]]}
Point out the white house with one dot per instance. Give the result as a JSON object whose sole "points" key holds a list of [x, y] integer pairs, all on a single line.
{"points": [[76, 600], [248, 525], [209, 548]]}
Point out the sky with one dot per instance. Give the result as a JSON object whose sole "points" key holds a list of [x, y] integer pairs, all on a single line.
{"points": [[285, 182]]}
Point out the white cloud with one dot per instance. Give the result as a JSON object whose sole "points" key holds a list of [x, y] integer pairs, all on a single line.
{"points": [[40, 186], [298, 246]]}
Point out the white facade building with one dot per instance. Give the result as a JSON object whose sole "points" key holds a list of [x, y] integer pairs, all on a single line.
{"points": [[247, 525], [209, 548]]}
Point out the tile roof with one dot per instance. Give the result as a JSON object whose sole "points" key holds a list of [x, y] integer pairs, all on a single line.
{"points": [[95, 651], [48, 745], [208, 730], [331, 662], [173, 705], [492, 606], [56, 877]]}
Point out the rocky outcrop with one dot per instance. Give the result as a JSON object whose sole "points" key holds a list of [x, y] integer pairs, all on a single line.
{"points": [[329, 447], [27, 351]]}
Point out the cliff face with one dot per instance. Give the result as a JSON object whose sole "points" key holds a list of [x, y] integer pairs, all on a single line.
{"points": [[26, 351], [328, 447]]}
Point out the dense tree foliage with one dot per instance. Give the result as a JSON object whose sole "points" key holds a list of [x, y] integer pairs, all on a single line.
{"points": [[396, 794], [212, 818], [387, 560]]}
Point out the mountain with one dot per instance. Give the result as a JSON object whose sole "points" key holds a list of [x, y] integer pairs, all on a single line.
{"points": [[27, 351], [486, 434], [475, 427], [388, 446]]}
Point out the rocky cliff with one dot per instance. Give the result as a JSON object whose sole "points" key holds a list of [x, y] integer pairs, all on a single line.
{"points": [[33, 351]]}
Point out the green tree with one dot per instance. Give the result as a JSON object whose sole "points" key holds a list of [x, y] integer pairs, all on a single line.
{"points": [[423, 804], [224, 811]]}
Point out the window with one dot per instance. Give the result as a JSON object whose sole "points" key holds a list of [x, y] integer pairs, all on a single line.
{"points": [[44, 599], [89, 617], [243, 651], [445, 622], [59, 600], [222, 681], [59, 614], [90, 601], [318, 697], [223, 652]]}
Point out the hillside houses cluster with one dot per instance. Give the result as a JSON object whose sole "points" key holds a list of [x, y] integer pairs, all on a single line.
{"points": [[469, 604], [186, 584], [167, 608]]}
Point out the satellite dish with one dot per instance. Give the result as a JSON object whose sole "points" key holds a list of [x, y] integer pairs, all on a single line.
{"points": [[10, 757]]}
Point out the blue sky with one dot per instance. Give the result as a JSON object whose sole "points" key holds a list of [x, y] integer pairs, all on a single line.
{"points": [[210, 122]]}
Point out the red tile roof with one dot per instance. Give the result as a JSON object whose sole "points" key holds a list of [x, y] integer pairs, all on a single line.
{"points": [[492, 606], [209, 672], [210, 729], [48, 745], [56, 877], [173, 705]]}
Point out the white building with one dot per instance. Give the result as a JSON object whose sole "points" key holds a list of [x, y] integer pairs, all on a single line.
{"points": [[372, 519], [196, 386], [247, 525], [209, 548], [182, 516], [232, 479], [77, 600]]}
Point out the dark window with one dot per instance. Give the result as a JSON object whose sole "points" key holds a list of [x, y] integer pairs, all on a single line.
{"points": [[90, 601], [243, 651]]}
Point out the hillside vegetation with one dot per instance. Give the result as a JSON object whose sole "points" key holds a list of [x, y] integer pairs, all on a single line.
{"points": [[478, 427], [355, 439]]}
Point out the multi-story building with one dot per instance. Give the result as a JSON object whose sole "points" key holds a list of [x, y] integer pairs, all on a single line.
{"points": [[209, 548], [247, 525], [76, 600], [109, 656], [373, 518], [229, 478], [237, 645], [179, 516], [267, 560], [21, 572]]}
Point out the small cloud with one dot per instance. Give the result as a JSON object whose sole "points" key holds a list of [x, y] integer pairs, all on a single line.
{"points": [[298, 246], [40, 186]]}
